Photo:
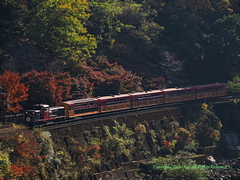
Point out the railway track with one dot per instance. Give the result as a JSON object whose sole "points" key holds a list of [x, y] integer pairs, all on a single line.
{"points": [[135, 111]]}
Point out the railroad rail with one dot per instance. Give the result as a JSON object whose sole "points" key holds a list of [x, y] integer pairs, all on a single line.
{"points": [[135, 111]]}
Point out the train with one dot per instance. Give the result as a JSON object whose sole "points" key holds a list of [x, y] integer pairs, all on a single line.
{"points": [[43, 113]]}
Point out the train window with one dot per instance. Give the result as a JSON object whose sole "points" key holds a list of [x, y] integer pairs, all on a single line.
{"points": [[153, 96], [71, 108], [92, 104], [81, 106], [116, 101], [79, 111]]}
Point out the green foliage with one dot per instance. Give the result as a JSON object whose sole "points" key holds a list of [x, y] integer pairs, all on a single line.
{"points": [[59, 27], [181, 159], [117, 142], [5, 164], [104, 23], [202, 36], [208, 126], [234, 85]]}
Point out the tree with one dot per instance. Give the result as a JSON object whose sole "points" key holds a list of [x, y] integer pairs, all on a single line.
{"points": [[59, 27], [208, 126], [117, 142], [172, 69], [111, 78], [46, 87], [234, 85], [81, 87], [221, 60], [13, 91], [137, 42], [12, 14], [104, 22], [182, 35]]}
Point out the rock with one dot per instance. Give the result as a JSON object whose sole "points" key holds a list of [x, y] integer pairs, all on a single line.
{"points": [[210, 161]]}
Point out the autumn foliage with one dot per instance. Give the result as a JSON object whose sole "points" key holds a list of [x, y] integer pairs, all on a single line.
{"points": [[23, 151], [99, 78], [47, 87], [111, 78], [12, 91], [26, 146], [20, 170]]}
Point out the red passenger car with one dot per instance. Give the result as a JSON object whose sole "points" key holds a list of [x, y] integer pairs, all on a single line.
{"points": [[211, 91], [80, 107], [146, 98], [114, 102], [179, 94]]}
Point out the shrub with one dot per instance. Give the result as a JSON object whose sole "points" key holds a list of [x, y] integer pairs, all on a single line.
{"points": [[179, 166]]}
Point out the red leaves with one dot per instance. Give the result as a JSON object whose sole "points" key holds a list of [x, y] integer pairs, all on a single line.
{"points": [[63, 86], [19, 170], [167, 143], [48, 87], [12, 91], [26, 147], [214, 134], [112, 77], [96, 147], [93, 151], [16, 170], [27, 170]]}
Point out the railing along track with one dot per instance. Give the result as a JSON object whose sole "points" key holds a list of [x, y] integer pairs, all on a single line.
{"points": [[135, 111]]}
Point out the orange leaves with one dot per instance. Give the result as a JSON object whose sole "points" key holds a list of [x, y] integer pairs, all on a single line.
{"points": [[19, 170], [214, 134], [39, 87], [26, 146], [63, 86], [47, 87], [93, 151], [23, 153], [13, 91], [96, 147], [167, 143], [16, 170], [112, 78]]}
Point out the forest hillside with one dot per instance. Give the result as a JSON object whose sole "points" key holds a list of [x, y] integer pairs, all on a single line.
{"points": [[57, 50]]}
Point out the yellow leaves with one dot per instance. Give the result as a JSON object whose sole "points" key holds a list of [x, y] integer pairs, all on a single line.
{"points": [[74, 7], [15, 126], [204, 106], [4, 164], [61, 29]]}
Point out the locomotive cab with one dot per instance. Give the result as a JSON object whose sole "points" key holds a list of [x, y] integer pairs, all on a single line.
{"points": [[44, 110], [38, 113], [31, 116]]}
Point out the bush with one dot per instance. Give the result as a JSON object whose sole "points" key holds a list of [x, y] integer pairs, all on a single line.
{"points": [[179, 166]]}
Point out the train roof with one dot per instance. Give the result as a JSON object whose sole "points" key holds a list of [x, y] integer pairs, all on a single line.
{"points": [[178, 89], [76, 101], [114, 96], [211, 85], [146, 92], [40, 105], [33, 110], [55, 108]]}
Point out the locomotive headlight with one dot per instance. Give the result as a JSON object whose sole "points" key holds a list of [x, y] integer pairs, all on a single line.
{"points": [[28, 119]]}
